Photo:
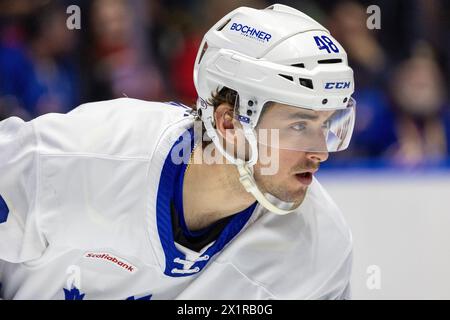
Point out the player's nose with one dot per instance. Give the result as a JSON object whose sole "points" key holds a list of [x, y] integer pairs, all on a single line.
{"points": [[317, 156]]}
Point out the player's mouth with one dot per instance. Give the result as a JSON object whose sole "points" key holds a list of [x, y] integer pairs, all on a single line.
{"points": [[305, 177]]}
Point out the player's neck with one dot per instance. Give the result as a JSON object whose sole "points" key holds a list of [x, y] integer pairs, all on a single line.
{"points": [[212, 192]]}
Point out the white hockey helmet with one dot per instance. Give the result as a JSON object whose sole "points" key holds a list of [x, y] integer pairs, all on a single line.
{"points": [[279, 55]]}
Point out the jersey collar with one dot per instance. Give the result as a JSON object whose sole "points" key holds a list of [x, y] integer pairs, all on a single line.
{"points": [[169, 184]]}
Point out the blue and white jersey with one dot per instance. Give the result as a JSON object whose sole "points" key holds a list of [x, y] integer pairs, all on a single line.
{"points": [[85, 214]]}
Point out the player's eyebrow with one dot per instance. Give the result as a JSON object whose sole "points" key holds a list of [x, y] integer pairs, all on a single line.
{"points": [[302, 116]]}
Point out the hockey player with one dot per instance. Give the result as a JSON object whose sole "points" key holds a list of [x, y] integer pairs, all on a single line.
{"points": [[122, 200]]}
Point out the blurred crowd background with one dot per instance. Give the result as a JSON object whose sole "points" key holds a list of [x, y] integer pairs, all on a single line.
{"points": [[146, 49]]}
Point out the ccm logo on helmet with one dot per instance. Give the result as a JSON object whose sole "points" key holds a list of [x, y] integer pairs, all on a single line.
{"points": [[337, 85], [249, 31]]}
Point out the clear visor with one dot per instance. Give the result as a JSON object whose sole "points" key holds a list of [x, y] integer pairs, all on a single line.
{"points": [[293, 128]]}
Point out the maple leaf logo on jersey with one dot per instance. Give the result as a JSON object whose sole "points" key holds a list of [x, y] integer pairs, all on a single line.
{"points": [[73, 294]]}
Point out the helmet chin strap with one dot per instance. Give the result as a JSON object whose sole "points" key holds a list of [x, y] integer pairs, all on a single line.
{"points": [[245, 168], [249, 183]]}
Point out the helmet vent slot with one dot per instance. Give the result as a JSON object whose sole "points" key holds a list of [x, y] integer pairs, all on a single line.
{"points": [[220, 28], [298, 65], [205, 47], [290, 78], [329, 61], [306, 83]]}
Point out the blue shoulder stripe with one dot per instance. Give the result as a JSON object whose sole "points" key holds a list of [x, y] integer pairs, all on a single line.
{"points": [[4, 211]]}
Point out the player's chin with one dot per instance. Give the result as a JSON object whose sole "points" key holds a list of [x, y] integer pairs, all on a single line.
{"points": [[294, 194], [296, 199], [300, 194], [299, 191]]}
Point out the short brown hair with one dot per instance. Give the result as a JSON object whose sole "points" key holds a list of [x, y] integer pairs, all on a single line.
{"points": [[229, 96], [225, 95]]}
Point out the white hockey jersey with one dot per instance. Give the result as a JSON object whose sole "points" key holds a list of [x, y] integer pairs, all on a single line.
{"points": [[84, 214]]}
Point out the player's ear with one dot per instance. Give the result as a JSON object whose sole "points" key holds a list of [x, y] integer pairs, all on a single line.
{"points": [[225, 124], [230, 129]]}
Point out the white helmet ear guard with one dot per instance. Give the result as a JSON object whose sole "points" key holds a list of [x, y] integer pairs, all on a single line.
{"points": [[277, 55], [206, 113]]}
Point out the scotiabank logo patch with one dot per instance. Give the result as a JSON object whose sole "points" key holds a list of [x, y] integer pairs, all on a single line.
{"points": [[121, 263]]}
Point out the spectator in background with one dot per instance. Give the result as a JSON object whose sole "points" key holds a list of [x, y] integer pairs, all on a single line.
{"points": [[187, 25], [51, 45], [19, 89], [348, 24], [374, 127], [422, 122], [121, 65], [37, 74]]}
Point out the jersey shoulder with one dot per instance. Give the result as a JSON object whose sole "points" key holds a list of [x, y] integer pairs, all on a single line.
{"points": [[121, 127]]}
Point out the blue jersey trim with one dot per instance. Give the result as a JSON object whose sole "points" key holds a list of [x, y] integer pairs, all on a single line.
{"points": [[168, 190], [177, 104], [4, 210]]}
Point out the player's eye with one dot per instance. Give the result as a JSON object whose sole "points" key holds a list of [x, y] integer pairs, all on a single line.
{"points": [[300, 126]]}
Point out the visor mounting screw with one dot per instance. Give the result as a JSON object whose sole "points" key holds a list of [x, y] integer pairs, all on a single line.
{"points": [[250, 103], [324, 101], [249, 113], [345, 100]]}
